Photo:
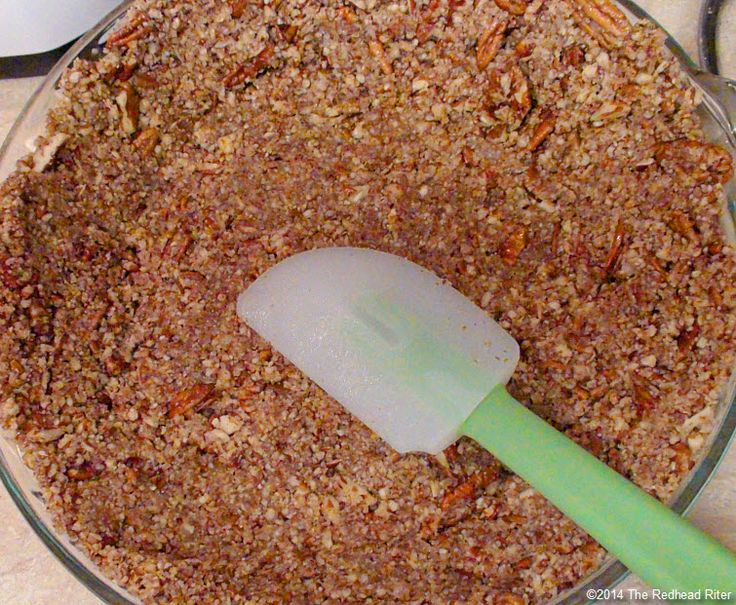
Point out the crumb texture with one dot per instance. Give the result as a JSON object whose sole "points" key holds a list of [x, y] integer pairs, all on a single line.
{"points": [[544, 157]]}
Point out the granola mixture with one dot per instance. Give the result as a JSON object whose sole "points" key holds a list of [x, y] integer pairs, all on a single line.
{"points": [[542, 156]]}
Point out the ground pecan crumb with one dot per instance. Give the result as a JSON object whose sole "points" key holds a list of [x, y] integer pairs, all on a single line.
{"points": [[544, 157]]}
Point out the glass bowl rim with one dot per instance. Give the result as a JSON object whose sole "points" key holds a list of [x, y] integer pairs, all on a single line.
{"points": [[608, 575]]}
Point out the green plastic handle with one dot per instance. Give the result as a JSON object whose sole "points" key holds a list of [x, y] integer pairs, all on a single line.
{"points": [[662, 548]]}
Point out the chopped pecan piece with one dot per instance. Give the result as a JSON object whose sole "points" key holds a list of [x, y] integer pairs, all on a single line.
{"points": [[508, 598], [470, 487], [46, 152], [427, 21], [262, 61], [489, 44], [89, 469], [190, 399], [643, 397], [682, 457], [573, 55], [208, 168], [379, 53], [289, 31], [514, 245], [115, 364], [145, 81], [714, 248], [555, 241], [135, 28], [451, 453], [682, 224], [491, 177], [7, 275], [467, 155], [178, 244], [452, 6], [129, 103], [630, 93], [545, 127], [47, 435], [146, 141], [610, 111], [41, 321], [347, 14], [701, 162], [687, 338], [514, 7], [237, 8], [508, 96], [125, 72], [523, 49], [617, 246], [656, 264], [602, 20]]}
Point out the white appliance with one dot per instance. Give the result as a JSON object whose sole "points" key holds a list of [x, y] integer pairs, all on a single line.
{"points": [[28, 27]]}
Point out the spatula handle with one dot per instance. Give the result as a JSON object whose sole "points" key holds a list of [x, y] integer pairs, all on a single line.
{"points": [[662, 548]]}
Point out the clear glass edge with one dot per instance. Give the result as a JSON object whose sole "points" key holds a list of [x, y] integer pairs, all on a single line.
{"points": [[107, 591], [609, 575]]}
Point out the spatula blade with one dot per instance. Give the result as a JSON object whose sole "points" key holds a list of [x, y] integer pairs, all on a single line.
{"points": [[398, 347]]}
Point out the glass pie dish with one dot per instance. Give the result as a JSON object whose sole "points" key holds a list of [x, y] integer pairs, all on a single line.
{"points": [[22, 485]]}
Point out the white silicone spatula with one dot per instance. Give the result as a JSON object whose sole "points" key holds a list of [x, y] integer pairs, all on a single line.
{"points": [[421, 365]]}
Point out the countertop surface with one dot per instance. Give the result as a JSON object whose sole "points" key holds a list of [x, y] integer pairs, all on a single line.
{"points": [[30, 575]]}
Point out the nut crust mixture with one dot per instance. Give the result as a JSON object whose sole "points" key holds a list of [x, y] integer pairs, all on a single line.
{"points": [[544, 157]]}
